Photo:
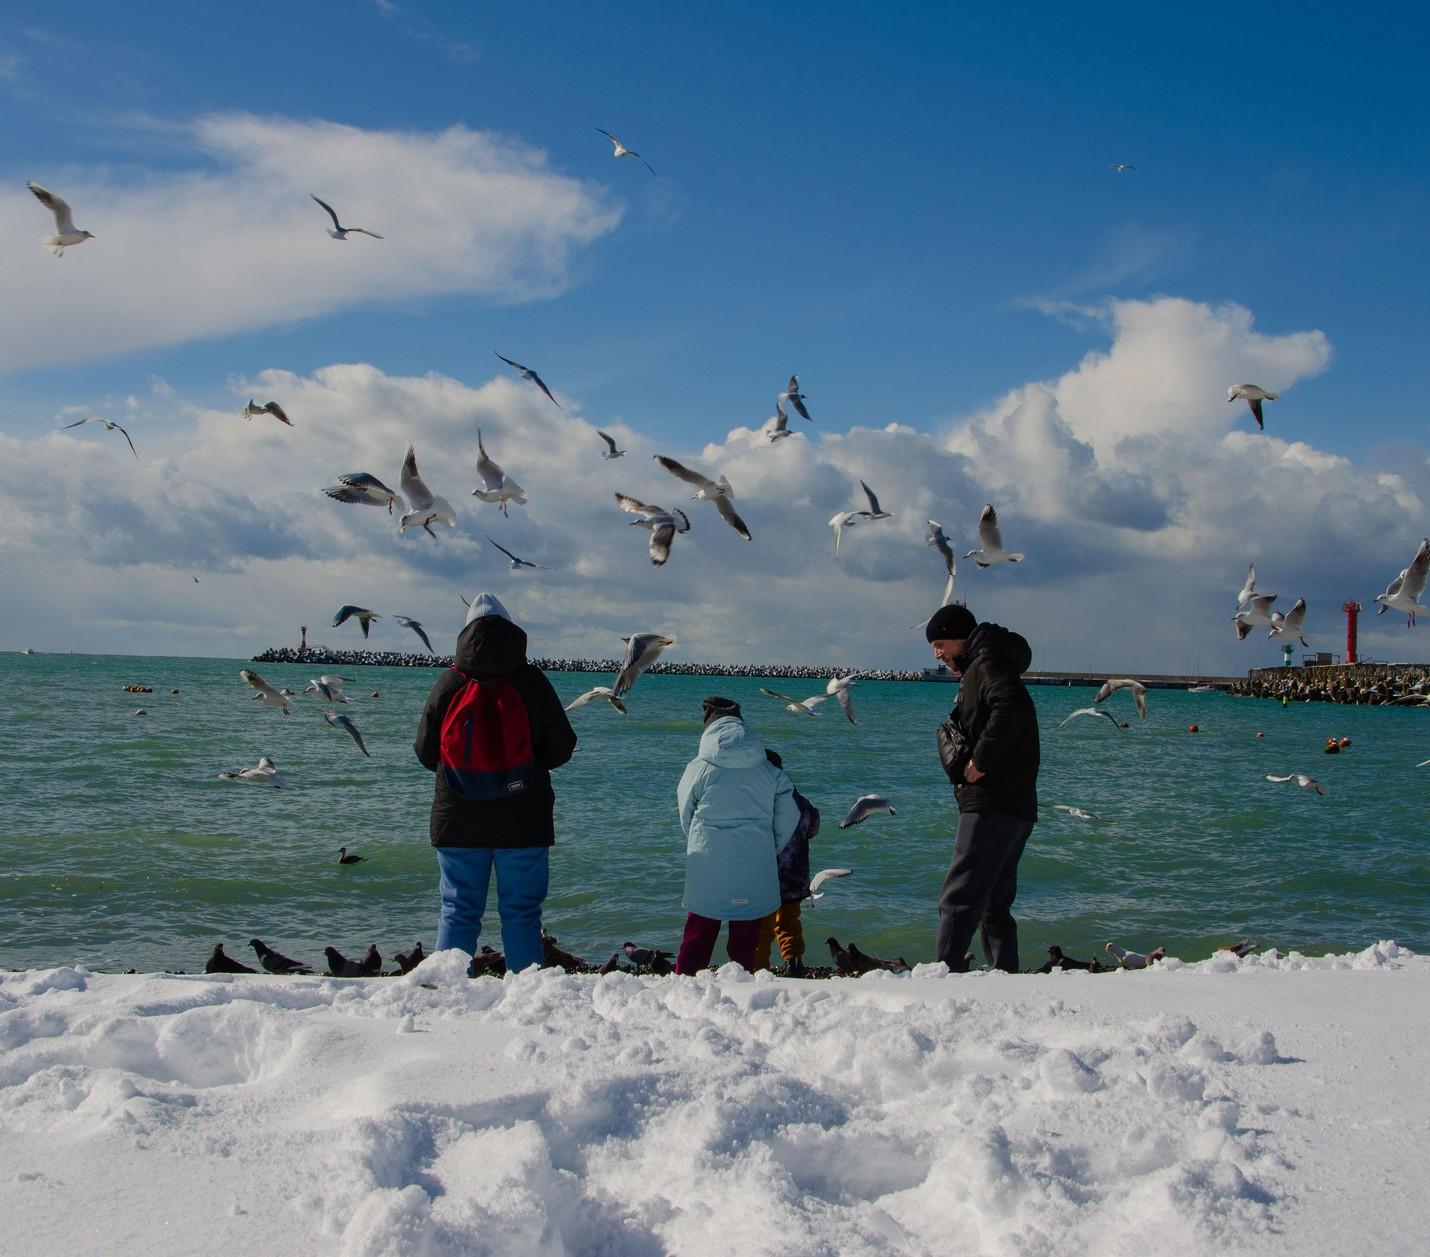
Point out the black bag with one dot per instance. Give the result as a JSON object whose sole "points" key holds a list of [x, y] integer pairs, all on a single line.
{"points": [[953, 749]]}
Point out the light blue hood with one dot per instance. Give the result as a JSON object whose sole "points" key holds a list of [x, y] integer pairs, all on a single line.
{"points": [[731, 743]]}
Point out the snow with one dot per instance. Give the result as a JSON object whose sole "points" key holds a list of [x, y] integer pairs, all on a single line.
{"points": [[1275, 1104]]}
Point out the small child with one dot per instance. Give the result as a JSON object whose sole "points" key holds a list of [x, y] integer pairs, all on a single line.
{"points": [[783, 925]]}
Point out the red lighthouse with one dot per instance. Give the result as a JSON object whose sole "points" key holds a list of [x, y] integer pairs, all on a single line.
{"points": [[1352, 609], [304, 629]]}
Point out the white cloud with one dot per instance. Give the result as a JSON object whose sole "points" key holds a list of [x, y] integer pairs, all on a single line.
{"points": [[1136, 541], [237, 244]]}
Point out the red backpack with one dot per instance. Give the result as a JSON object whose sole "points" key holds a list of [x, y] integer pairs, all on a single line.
{"points": [[485, 750]]}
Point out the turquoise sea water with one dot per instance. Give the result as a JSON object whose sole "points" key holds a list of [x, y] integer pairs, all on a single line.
{"points": [[121, 849]]}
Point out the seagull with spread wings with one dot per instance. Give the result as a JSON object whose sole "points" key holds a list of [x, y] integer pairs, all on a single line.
{"points": [[365, 489], [268, 408], [612, 452], [266, 693], [1258, 612], [337, 230], [708, 491], [800, 706], [1254, 395], [499, 487], [795, 398], [363, 616], [1403, 593], [622, 151], [990, 538], [408, 622], [1111, 686], [1289, 625], [109, 426], [642, 650], [663, 525], [427, 507], [531, 377], [1092, 711], [939, 541], [346, 725], [66, 234], [516, 563], [600, 691], [777, 426]]}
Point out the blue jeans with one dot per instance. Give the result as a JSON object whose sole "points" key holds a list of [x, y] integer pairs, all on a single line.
{"points": [[522, 874]]}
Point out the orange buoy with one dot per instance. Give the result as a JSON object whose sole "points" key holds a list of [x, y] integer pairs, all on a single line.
{"points": [[1259, 734], [1333, 747], [1192, 729], [1345, 741]]}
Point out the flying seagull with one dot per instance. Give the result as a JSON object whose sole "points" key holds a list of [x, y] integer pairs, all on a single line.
{"points": [[601, 691], [516, 563], [408, 622], [1121, 167], [990, 537], [500, 488], [266, 774], [346, 725], [642, 650], [800, 706], [1258, 612], [622, 151], [875, 511], [329, 689], [838, 687], [364, 617], [337, 230], [780, 422], [1092, 711], [109, 426], [1305, 782], [825, 875], [795, 398], [427, 507], [66, 233], [613, 452], [1248, 589], [1403, 593], [266, 693], [528, 374], [268, 408], [1289, 625], [366, 489], [839, 522], [937, 539], [1139, 692], [1254, 395], [663, 525], [708, 491], [864, 807]]}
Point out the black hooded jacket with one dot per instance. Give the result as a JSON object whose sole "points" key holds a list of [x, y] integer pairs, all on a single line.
{"points": [[996, 713], [492, 646]]}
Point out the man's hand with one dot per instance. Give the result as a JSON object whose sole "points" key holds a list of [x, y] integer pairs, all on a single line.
{"points": [[971, 772]]}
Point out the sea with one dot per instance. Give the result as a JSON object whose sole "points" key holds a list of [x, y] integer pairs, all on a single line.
{"points": [[122, 849]]}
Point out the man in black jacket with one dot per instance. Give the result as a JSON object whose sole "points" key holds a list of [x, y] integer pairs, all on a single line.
{"points": [[511, 834], [995, 779]]}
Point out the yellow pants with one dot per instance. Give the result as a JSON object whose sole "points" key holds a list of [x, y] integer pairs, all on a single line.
{"points": [[783, 925]]}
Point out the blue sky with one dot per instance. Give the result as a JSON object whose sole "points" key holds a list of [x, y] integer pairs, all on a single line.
{"points": [[909, 205]]}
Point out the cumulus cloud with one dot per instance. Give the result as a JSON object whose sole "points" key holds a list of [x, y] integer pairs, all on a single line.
{"points": [[235, 243], [1137, 538]]}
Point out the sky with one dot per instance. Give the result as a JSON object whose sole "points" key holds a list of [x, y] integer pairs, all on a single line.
{"points": [[913, 208]]}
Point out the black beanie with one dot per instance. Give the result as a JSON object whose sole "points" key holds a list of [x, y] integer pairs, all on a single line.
{"points": [[950, 623], [716, 707]]}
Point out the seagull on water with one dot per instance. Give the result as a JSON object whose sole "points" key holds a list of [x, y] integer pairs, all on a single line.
{"points": [[337, 230], [864, 807], [663, 525], [1139, 692], [365, 489], [500, 488], [364, 617], [268, 408], [66, 233], [1258, 612], [780, 422], [408, 622], [990, 538], [613, 452], [795, 398], [1254, 395], [329, 689], [708, 491], [346, 725], [1093, 711], [109, 426], [529, 375], [427, 507], [1305, 782], [266, 693], [804, 706], [1077, 812], [838, 687], [1403, 593], [600, 691], [642, 650], [622, 151], [516, 563], [1289, 625], [939, 541], [265, 774], [825, 875]]}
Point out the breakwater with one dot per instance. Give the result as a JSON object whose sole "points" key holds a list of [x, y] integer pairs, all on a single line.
{"points": [[323, 657], [1357, 684]]}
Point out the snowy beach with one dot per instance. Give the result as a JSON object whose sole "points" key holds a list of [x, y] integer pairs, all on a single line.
{"points": [[1274, 1104]]}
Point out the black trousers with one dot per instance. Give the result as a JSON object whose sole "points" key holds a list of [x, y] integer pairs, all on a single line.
{"points": [[979, 890]]}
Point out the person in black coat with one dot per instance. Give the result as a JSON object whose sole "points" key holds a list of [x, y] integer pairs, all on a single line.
{"points": [[989, 747], [512, 834]]}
